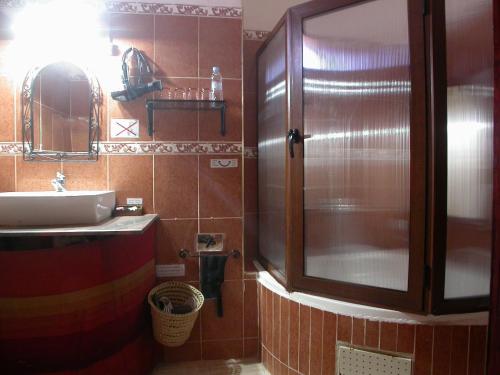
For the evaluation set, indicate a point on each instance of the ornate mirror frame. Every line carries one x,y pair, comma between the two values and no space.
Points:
27,111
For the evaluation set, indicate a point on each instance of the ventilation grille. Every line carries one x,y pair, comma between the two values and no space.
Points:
360,362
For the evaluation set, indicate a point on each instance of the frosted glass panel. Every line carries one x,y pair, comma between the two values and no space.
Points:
357,145
272,138
469,38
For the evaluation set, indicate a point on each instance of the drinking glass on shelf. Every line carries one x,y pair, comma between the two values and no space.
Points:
180,94
191,93
168,93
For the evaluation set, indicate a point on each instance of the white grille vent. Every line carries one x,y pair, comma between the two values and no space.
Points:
353,361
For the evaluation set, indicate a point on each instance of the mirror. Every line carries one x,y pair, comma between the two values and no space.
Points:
60,113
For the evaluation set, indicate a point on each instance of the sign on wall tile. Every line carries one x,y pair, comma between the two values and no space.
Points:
223,163
124,128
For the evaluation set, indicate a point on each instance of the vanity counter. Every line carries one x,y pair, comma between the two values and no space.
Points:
112,226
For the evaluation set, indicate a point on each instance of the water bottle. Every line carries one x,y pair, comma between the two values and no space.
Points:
216,84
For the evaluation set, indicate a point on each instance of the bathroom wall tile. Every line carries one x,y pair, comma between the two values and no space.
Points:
304,338
176,46
210,120
329,342
423,350
251,309
441,350
222,349
266,359
406,338
284,330
358,331
173,235
176,177
269,319
250,48
35,176
251,186
477,350
220,45
137,30
132,110
251,348
229,326
292,372
190,351
276,324
175,125
388,336
344,332
372,334
459,350
232,229
87,176
262,314
293,352
250,118
220,189
316,341
7,173
7,106
251,240
132,177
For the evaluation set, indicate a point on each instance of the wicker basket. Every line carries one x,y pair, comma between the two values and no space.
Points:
174,329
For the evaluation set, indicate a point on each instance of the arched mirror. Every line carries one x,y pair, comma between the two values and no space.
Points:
60,113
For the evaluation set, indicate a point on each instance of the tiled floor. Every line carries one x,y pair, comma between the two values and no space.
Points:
231,367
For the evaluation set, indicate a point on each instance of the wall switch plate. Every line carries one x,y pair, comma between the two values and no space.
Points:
124,128
134,201
170,270
223,163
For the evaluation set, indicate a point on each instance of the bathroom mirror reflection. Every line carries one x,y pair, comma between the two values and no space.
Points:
60,113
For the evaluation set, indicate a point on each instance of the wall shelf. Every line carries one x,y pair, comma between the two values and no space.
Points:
192,105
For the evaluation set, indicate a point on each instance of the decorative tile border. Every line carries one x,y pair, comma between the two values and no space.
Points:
250,152
154,8
11,148
255,34
147,148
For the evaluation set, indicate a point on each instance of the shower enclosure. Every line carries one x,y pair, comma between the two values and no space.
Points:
374,163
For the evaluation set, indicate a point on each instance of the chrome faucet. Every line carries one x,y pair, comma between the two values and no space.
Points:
58,182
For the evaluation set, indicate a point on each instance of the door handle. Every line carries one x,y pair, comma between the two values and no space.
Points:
293,137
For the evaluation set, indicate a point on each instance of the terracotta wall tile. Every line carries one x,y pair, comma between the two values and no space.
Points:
232,229
477,350
250,118
230,326
7,173
358,331
222,349
304,338
220,45
251,309
172,236
251,348
176,177
251,185
441,350
132,177
220,189
210,120
176,46
276,325
423,350
250,48
406,338
284,329
388,336
7,105
35,176
459,350
329,343
316,341
251,240
372,333
87,176
269,319
344,332
293,353
190,351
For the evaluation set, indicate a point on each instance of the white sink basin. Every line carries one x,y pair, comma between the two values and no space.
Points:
53,208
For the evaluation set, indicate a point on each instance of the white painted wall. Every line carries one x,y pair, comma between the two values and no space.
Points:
264,14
